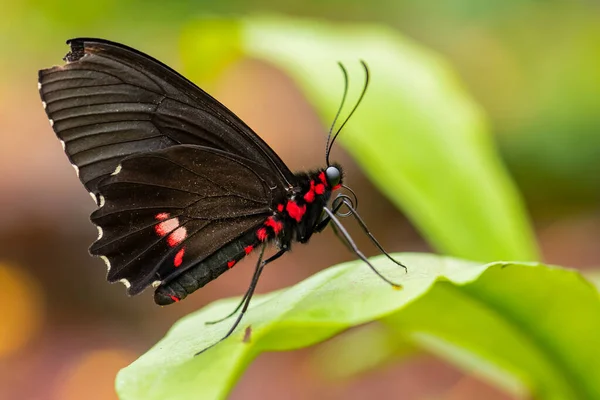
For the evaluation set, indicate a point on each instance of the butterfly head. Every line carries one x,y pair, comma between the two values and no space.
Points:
333,176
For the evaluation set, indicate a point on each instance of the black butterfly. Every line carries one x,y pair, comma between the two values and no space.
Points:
184,188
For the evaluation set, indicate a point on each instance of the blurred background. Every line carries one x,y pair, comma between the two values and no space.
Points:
533,66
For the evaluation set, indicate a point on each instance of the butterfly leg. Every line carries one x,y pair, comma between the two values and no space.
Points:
370,235
260,265
348,239
257,271
343,240
326,219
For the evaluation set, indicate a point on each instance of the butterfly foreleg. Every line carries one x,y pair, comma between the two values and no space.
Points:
365,229
348,239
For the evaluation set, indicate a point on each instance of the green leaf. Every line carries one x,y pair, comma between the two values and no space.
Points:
418,135
360,350
526,327
307,313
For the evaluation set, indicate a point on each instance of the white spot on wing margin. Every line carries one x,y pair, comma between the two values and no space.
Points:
156,283
39,85
105,259
126,283
76,169
93,196
100,232
117,170
102,201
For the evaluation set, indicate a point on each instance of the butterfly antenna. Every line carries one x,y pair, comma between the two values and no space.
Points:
330,144
337,115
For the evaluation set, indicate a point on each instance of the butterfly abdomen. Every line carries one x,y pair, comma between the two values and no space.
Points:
224,259
202,273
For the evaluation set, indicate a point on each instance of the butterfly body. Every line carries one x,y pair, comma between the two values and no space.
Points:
184,189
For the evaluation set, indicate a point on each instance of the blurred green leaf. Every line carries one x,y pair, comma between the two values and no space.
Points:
479,333
593,276
417,134
535,325
525,327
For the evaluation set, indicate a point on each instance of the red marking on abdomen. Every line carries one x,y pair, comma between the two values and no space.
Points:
320,188
175,299
295,211
248,249
162,216
230,264
166,226
179,257
274,224
177,236
261,234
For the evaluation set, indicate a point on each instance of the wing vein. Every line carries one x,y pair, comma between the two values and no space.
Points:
112,144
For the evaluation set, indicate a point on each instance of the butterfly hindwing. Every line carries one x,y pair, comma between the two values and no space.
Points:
167,210
110,101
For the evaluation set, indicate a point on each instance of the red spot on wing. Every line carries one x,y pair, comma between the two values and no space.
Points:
175,299
179,257
280,207
336,187
230,264
319,188
177,236
261,234
274,224
248,249
166,226
162,216
295,211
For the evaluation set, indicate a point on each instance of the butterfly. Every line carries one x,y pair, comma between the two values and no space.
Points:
184,188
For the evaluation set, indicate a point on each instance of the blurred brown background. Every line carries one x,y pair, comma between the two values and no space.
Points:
64,332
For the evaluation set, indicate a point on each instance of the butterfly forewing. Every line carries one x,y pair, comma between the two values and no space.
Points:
176,175
167,210
110,101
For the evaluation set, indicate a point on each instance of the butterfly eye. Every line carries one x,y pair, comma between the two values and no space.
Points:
333,176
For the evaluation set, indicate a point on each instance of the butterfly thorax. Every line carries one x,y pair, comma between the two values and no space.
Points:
304,207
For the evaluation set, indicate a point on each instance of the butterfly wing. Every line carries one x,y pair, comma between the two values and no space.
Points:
110,101
167,210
